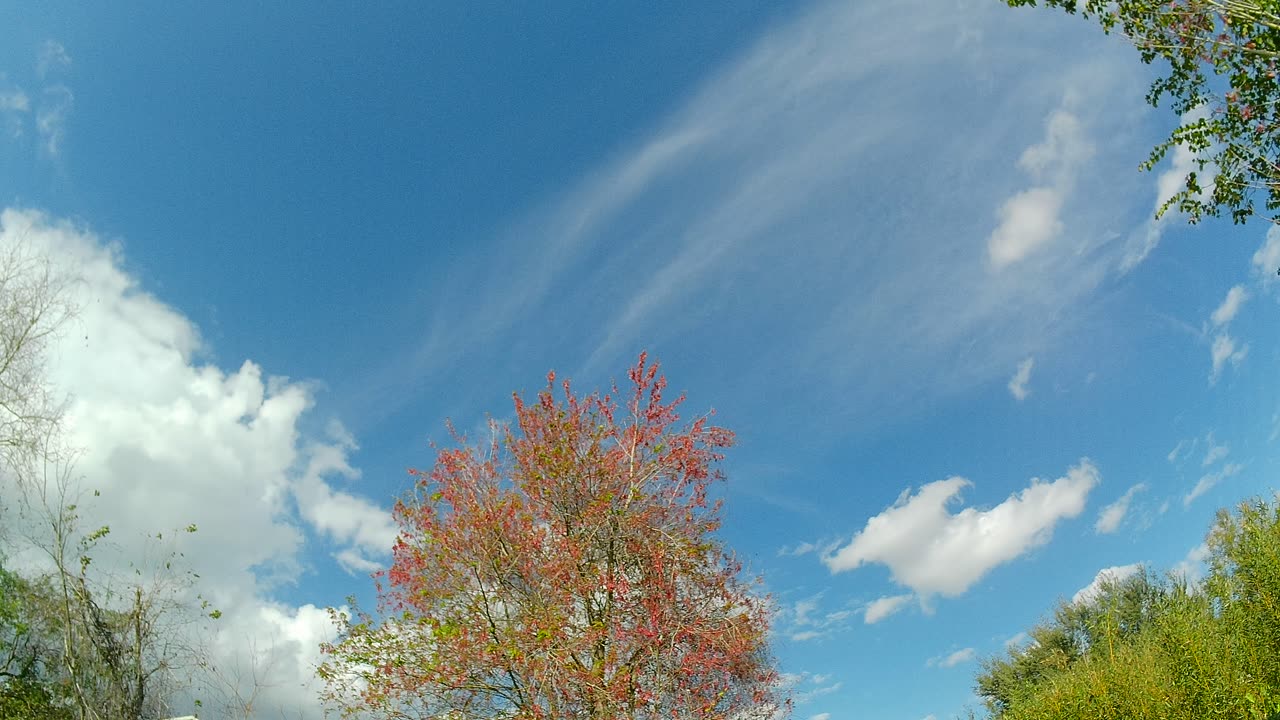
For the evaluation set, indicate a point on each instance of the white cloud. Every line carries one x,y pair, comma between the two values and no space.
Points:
170,440
882,608
952,659
1018,383
803,548
1266,261
1171,181
820,716
1144,240
1224,347
342,516
1113,574
1224,350
1028,221
803,697
802,608
777,144
51,116
804,620
14,105
1031,219
1017,640
14,101
932,551
1192,566
1215,453
354,563
1226,312
1209,480
1111,516
52,58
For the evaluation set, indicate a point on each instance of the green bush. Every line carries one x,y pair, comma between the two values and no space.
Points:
1156,647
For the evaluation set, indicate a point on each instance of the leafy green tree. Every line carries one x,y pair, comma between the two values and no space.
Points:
27,665
1149,648
1219,59
75,642
1122,609
1244,581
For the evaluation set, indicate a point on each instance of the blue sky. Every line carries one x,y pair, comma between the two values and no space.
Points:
902,249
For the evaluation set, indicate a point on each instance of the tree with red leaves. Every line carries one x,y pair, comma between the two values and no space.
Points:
566,568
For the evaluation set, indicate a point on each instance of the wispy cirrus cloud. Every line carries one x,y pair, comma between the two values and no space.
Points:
1208,481
14,107
881,608
777,172
50,107
1231,304
804,619
1110,517
1021,378
797,550
1215,452
52,113
1224,347
52,58
952,659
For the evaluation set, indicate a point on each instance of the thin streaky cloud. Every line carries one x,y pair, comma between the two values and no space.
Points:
1018,383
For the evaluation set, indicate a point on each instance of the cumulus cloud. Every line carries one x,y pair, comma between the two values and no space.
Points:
932,551
1191,568
1031,219
170,440
1226,312
1112,574
354,563
1018,383
882,608
952,659
1266,261
1224,350
1111,516
1209,480
1028,220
